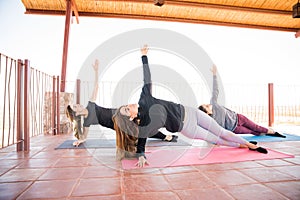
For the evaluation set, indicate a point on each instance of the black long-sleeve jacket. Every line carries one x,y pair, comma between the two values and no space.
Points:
155,113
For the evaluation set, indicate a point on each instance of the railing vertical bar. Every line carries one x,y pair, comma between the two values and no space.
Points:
37,103
51,123
32,94
20,113
26,104
2,113
45,118
0,61
33,105
271,103
4,102
57,107
9,106
53,107
40,101
15,100
48,118
78,91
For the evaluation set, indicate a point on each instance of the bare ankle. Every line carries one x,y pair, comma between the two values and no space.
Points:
168,137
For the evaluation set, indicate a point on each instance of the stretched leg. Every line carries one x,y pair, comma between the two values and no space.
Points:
246,126
203,134
212,126
198,125
244,130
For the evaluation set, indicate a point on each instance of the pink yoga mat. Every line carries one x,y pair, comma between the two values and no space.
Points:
198,156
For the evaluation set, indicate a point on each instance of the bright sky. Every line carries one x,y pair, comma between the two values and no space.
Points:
242,55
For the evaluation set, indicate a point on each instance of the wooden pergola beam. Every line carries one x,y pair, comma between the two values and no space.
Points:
213,6
164,18
185,20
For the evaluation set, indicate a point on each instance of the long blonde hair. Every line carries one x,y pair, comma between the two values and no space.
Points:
76,121
126,135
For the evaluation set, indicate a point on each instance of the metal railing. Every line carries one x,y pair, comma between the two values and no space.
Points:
252,101
22,103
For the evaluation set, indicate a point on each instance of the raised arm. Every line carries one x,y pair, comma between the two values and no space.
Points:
96,72
215,92
147,88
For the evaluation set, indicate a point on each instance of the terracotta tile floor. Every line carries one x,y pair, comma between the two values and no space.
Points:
46,173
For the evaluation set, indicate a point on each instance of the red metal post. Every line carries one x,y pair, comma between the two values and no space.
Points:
20,113
78,91
53,107
66,43
27,105
57,106
271,104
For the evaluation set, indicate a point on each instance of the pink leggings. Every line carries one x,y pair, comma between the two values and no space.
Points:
246,126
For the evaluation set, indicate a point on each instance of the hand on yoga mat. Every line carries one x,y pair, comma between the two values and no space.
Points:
142,162
78,142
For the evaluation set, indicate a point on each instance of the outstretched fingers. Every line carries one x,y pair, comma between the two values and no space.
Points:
144,49
96,65
142,162
77,143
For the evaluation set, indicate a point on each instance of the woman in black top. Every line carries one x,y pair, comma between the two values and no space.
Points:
153,113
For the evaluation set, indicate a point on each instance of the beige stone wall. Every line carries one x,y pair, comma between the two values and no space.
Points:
64,100
47,113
